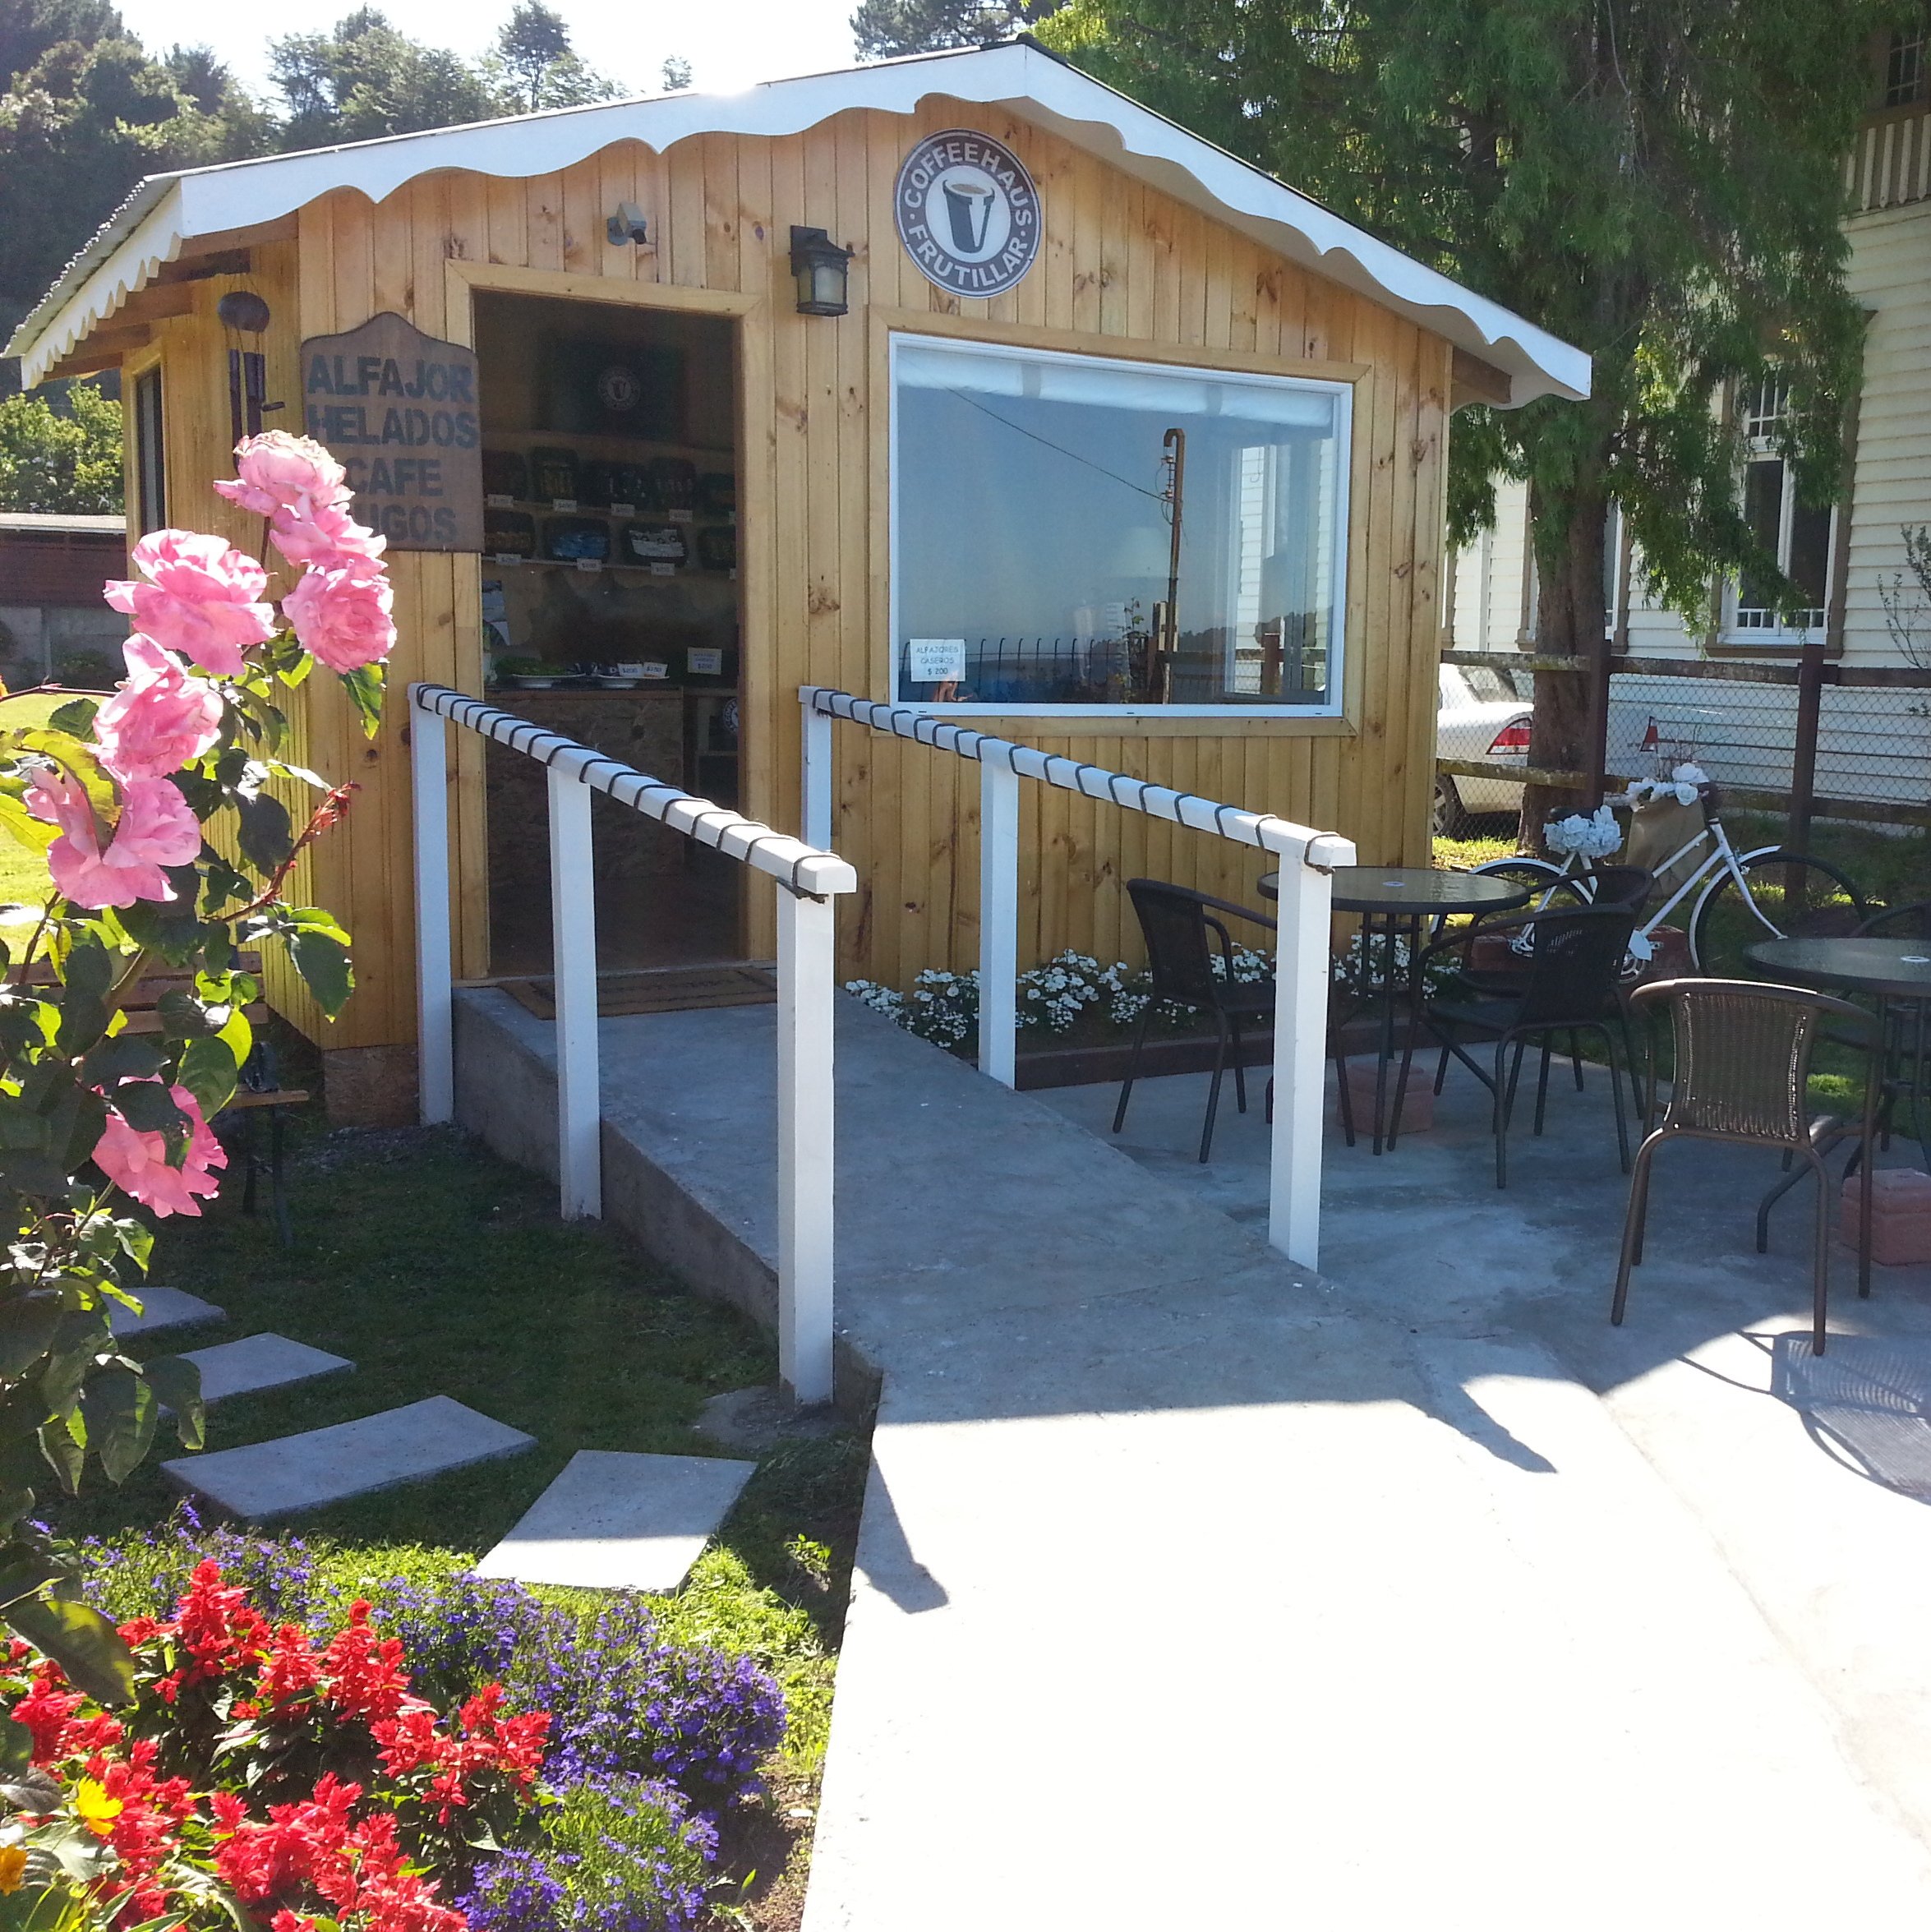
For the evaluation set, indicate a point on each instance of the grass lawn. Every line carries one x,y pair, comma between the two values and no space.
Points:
437,1269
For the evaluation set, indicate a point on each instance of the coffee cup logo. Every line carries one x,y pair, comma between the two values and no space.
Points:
967,213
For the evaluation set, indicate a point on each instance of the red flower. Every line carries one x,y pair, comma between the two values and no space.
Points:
293,1667
362,1672
45,1711
217,1626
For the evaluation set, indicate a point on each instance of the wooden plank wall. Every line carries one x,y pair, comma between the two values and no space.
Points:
1120,263
192,350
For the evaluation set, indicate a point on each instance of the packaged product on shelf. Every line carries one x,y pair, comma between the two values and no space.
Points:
572,539
718,493
553,475
505,474
673,482
509,533
652,543
718,547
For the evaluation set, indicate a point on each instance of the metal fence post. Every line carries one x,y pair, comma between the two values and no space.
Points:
999,918
807,977
573,938
815,777
435,1076
1301,975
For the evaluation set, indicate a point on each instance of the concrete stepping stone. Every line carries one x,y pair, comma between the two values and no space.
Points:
616,1521
162,1308
260,1362
292,1473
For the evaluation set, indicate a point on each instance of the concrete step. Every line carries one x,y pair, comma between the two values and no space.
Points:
162,1308
616,1521
260,1362
294,1474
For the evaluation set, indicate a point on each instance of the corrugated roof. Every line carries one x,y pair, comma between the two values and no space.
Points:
165,215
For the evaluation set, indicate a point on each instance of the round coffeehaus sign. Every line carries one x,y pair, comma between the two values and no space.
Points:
967,213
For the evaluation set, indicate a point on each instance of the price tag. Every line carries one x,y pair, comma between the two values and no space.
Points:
663,570
564,503
623,510
497,500
654,670
680,516
508,557
704,663
589,563
935,661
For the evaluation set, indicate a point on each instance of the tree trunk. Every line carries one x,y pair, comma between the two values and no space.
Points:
1571,621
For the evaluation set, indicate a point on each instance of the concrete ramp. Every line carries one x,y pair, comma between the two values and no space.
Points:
1186,1598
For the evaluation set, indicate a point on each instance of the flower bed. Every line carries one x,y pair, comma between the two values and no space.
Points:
442,1753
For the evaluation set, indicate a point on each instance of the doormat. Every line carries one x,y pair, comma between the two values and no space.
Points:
674,991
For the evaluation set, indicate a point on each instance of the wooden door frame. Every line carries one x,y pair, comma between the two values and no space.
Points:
756,405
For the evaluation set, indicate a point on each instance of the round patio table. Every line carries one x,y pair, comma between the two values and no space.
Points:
1889,970
1394,901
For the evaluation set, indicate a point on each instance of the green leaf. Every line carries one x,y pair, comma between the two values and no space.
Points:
208,1071
63,1454
81,1641
27,1326
35,834
183,1016
26,1789
265,836
177,1384
147,1107
364,687
127,1056
324,965
21,1574
121,1412
75,718
17,1748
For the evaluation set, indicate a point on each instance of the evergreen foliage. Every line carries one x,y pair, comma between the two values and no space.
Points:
884,28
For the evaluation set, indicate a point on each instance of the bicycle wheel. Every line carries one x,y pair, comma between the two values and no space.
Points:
1789,896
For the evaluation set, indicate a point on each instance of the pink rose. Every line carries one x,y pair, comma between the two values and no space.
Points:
136,1163
325,539
202,598
276,471
157,828
341,615
160,718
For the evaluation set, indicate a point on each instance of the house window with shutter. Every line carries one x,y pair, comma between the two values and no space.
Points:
1796,533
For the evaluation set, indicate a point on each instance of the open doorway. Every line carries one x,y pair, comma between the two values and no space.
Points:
611,609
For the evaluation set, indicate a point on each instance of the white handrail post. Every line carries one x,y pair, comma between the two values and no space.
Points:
998,917
435,1052
806,979
815,777
1301,975
572,939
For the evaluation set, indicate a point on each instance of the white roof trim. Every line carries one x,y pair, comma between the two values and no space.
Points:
168,211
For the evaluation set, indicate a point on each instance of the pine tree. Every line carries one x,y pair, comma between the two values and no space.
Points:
1659,182
884,28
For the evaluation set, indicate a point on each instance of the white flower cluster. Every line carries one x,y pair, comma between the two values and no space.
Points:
942,1007
1053,996
881,999
1594,837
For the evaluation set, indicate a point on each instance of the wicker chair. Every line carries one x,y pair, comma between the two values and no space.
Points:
1742,1065
1569,985
1175,922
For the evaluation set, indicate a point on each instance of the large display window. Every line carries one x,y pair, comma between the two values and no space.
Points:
1074,533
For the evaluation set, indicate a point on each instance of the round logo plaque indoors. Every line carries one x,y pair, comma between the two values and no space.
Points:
967,213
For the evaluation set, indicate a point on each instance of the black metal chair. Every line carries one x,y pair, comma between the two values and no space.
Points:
1570,985
1741,1070
1907,1050
1175,922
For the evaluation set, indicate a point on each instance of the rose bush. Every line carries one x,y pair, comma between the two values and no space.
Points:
162,818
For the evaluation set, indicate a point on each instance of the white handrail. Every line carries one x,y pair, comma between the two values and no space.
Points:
807,880
1302,969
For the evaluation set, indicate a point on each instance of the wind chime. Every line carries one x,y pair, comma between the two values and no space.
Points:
243,313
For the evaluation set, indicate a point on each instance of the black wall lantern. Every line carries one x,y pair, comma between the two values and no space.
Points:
821,267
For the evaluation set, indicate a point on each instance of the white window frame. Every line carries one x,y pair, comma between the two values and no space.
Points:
1343,396
1760,444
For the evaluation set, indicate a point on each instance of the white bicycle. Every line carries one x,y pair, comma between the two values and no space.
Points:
1770,892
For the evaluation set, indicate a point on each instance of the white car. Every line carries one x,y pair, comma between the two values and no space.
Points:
1485,714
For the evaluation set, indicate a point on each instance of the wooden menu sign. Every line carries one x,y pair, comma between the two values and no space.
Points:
398,410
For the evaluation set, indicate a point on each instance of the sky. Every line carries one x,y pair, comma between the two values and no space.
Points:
729,44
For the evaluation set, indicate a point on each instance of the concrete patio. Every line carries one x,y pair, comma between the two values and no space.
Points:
1194,1588
1811,1478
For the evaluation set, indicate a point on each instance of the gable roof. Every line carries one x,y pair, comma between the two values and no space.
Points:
168,212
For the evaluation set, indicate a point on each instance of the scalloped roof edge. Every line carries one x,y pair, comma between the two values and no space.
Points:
168,212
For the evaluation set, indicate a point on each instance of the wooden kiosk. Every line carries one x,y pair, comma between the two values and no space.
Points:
962,381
